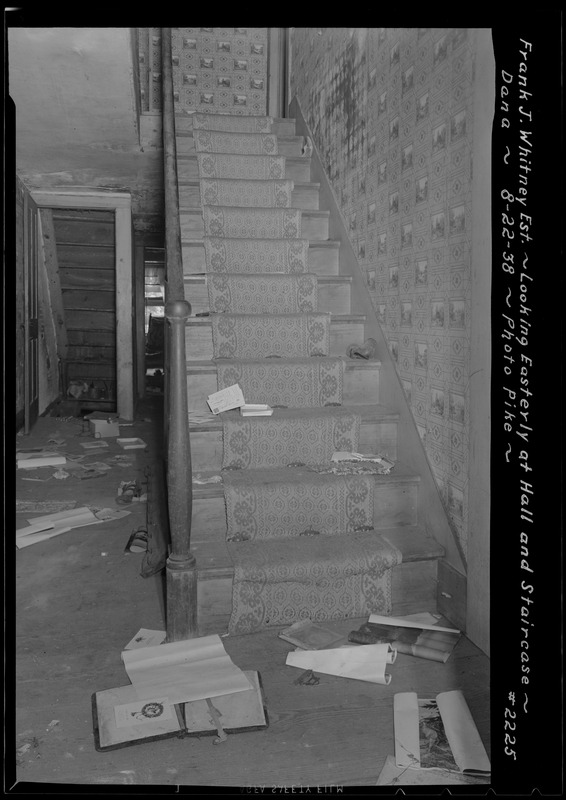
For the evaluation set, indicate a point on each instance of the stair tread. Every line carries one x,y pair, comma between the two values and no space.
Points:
284,137
296,184
368,412
334,317
214,560
200,277
309,212
331,244
351,363
400,474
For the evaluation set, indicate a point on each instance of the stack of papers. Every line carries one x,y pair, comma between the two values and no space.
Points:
256,410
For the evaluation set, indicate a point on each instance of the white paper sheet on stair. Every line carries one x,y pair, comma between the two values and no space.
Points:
362,663
437,733
226,399
183,671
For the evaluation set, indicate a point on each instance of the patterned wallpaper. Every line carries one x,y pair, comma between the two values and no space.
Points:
214,69
391,114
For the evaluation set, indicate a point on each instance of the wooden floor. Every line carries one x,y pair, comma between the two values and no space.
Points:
79,599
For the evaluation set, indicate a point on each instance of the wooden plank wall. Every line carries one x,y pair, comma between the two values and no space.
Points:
87,270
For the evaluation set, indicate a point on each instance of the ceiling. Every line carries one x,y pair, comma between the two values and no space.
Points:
76,123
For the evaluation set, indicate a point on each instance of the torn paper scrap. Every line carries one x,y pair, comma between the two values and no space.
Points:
226,399
146,638
143,711
43,461
190,670
362,663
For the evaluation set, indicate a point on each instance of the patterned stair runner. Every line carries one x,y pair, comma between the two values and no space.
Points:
301,540
292,383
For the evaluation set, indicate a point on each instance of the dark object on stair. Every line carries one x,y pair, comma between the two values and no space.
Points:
157,522
307,678
137,543
155,342
366,350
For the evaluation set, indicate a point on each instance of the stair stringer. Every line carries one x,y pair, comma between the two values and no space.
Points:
410,449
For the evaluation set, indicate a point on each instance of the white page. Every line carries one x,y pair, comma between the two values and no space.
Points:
365,662
461,732
183,671
398,622
406,725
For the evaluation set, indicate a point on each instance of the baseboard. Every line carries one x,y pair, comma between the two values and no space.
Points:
451,597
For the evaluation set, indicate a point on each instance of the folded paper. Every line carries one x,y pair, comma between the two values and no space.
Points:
184,671
363,663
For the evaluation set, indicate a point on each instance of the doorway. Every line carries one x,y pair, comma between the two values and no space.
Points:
115,331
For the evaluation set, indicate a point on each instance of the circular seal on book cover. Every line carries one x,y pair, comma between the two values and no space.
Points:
152,710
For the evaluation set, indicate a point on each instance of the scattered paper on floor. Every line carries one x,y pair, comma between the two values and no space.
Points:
183,671
362,663
146,638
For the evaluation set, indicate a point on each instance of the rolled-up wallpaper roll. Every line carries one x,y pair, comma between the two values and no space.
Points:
363,662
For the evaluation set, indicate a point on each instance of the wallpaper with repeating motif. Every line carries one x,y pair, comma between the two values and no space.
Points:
223,70
391,113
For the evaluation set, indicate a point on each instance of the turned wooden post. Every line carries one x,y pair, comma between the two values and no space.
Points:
181,565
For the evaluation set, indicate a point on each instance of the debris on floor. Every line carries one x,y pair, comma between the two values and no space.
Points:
132,443
137,543
362,662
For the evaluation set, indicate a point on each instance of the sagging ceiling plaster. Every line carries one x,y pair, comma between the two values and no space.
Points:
76,122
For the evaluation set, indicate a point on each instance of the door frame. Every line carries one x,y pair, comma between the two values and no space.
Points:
121,205
31,312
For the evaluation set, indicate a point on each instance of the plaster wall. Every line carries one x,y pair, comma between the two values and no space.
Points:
76,116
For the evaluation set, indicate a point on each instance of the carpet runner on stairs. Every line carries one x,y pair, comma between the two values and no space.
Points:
295,502
290,436
225,254
302,542
232,123
251,223
262,294
292,383
228,166
239,143
268,335
279,581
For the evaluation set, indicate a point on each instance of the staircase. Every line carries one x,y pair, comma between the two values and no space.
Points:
250,302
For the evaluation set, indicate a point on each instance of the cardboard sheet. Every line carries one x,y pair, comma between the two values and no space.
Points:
184,671
362,663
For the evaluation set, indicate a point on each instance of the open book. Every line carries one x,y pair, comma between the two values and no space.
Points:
438,733
121,718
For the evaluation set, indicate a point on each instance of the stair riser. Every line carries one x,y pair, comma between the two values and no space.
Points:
413,590
314,228
286,147
394,504
296,169
331,297
359,387
198,339
322,260
281,127
305,197
207,449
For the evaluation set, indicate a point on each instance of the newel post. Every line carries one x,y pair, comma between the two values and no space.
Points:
181,564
